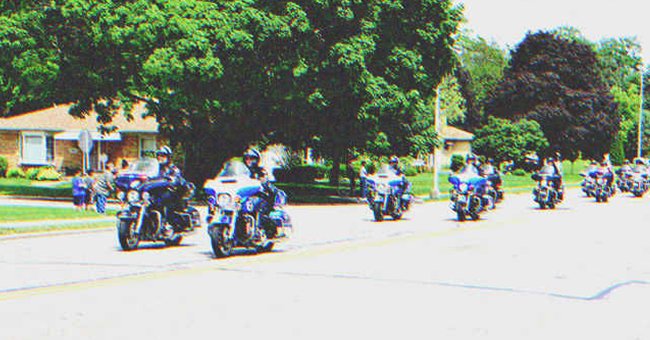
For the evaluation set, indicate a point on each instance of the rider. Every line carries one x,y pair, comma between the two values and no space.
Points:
490,173
639,166
172,174
470,167
393,165
252,159
553,173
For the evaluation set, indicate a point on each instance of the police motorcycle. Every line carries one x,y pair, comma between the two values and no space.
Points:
238,214
387,194
469,196
588,185
150,215
545,194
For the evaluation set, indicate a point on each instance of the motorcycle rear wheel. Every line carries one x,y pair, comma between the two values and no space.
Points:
220,246
125,233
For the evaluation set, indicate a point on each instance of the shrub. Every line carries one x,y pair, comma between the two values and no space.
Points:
3,167
519,172
301,174
410,171
15,173
32,173
48,174
457,162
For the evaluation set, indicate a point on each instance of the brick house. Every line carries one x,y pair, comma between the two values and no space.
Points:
455,141
49,137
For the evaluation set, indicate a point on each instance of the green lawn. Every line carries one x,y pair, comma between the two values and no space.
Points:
25,187
23,213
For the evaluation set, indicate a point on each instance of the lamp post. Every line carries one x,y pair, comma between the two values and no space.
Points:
640,137
435,192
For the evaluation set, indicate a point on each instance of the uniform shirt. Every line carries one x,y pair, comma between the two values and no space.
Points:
78,186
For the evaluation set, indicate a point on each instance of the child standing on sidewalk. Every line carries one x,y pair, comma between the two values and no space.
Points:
78,191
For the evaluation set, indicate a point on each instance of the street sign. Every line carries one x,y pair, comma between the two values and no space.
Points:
85,141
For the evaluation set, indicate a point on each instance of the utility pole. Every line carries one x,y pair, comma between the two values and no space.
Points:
640,137
435,192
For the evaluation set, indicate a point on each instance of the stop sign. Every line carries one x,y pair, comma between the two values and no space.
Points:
85,141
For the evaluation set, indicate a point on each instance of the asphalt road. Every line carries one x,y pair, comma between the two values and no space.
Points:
579,272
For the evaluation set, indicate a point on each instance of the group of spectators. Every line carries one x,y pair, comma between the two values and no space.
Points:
90,188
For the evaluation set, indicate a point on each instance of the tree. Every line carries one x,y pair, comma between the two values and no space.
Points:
556,83
222,75
505,140
479,72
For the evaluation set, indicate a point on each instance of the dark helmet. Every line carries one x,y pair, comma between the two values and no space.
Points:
164,151
393,160
470,157
638,161
253,154
626,162
489,161
550,159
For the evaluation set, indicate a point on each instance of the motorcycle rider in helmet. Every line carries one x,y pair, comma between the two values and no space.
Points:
252,159
405,186
471,168
170,198
553,172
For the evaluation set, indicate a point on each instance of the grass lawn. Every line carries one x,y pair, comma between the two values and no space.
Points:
52,228
24,213
25,187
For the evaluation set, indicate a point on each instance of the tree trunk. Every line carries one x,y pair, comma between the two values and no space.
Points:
335,172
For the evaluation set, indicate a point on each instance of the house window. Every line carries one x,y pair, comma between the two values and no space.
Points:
148,146
37,148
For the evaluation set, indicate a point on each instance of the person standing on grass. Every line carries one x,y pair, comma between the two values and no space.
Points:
363,178
78,191
90,192
104,185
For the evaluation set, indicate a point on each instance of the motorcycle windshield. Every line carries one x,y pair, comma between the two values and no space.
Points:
385,175
145,166
234,169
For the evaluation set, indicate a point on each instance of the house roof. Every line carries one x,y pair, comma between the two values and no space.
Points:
452,133
57,118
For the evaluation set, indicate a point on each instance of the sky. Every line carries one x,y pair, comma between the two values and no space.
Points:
507,21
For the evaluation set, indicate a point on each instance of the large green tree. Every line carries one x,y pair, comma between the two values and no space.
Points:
555,82
504,140
221,75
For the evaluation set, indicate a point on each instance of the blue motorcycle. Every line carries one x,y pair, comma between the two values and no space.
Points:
240,214
468,197
387,195
139,172
150,206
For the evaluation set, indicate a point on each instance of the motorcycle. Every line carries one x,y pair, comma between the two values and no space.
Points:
468,198
625,181
588,185
602,191
494,187
639,184
240,217
387,195
545,193
144,219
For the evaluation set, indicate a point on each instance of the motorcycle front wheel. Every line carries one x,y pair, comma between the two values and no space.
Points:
220,246
460,215
377,211
126,235
174,241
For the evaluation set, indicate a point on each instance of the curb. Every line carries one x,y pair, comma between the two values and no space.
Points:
42,234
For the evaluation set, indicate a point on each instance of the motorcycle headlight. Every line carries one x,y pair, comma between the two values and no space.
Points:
224,200
133,196
463,187
382,188
134,184
121,195
146,196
